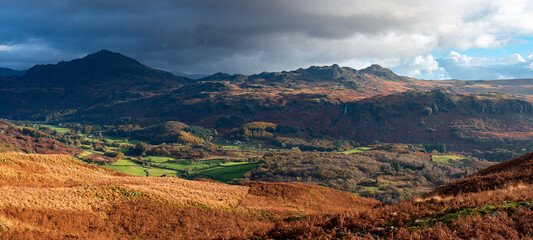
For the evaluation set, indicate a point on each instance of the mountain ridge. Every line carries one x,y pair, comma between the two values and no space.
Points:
107,87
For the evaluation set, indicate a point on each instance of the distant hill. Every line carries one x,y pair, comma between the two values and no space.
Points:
10,72
260,96
191,76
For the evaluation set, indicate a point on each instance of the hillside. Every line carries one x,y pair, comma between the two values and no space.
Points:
58,197
517,87
28,140
512,172
496,203
462,121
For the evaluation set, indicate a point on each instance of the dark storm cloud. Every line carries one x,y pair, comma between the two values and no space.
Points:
179,35
249,36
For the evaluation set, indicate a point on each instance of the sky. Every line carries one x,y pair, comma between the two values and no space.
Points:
429,39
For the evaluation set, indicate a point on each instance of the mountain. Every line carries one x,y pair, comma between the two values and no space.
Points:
259,96
367,105
348,83
96,79
9,72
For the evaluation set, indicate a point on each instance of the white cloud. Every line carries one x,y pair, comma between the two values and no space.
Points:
487,41
423,66
513,59
460,66
457,57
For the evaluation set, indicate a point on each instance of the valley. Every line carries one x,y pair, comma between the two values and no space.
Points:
389,172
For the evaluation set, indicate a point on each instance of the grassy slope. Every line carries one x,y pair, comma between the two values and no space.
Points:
58,197
446,158
228,171
131,170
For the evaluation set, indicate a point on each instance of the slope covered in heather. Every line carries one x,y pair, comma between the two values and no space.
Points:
58,197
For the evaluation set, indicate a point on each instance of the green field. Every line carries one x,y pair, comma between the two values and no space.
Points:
156,159
131,170
125,162
214,169
84,154
253,146
120,140
228,171
220,171
56,128
183,164
445,159
357,150
156,172
373,189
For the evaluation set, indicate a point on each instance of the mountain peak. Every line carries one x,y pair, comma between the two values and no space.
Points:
106,53
109,57
104,71
379,71
100,65
332,72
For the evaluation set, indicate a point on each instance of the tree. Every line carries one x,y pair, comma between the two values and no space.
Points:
140,149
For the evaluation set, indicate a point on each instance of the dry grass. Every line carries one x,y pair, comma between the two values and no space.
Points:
57,197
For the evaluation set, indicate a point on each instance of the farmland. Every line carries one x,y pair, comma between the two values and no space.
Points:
95,146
